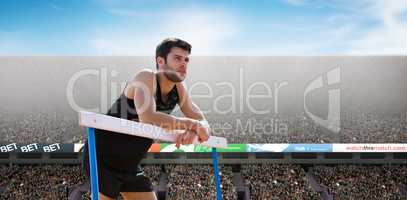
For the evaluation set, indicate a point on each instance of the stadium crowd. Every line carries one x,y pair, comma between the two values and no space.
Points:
355,182
40,127
354,128
265,181
275,181
197,182
49,182
362,182
237,128
39,181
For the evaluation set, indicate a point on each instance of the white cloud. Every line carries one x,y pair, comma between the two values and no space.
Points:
383,40
374,26
352,29
388,10
304,39
119,44
207,31
389,37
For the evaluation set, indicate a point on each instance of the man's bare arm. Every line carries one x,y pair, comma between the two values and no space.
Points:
191,110
188,107
146,107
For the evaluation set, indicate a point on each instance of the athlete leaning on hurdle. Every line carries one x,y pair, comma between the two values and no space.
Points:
149,98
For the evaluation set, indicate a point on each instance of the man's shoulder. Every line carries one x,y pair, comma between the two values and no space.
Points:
143,79
144,75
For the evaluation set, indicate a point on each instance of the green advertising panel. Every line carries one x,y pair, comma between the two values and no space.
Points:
166,147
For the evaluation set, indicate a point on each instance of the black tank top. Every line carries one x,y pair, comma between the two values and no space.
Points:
124,152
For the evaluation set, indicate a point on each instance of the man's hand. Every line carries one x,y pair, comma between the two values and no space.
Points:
200,129
187,137
203,131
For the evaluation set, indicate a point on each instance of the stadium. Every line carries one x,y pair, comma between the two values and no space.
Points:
284,155
202,100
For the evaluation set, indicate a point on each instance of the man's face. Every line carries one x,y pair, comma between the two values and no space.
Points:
175,69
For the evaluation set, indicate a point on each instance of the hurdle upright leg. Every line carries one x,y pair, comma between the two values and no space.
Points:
217,176
93,164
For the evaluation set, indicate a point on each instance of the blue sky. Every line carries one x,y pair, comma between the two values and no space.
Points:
135,27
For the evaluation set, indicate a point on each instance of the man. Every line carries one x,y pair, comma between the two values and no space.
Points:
149,98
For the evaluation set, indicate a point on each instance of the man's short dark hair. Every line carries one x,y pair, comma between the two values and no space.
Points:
164,48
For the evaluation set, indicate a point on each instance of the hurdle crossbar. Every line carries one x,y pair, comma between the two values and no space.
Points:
124,126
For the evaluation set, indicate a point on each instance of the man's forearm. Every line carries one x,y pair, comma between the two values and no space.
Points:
171,122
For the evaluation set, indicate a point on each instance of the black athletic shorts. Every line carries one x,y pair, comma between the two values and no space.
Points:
112,181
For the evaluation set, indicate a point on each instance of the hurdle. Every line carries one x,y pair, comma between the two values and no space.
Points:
94,121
